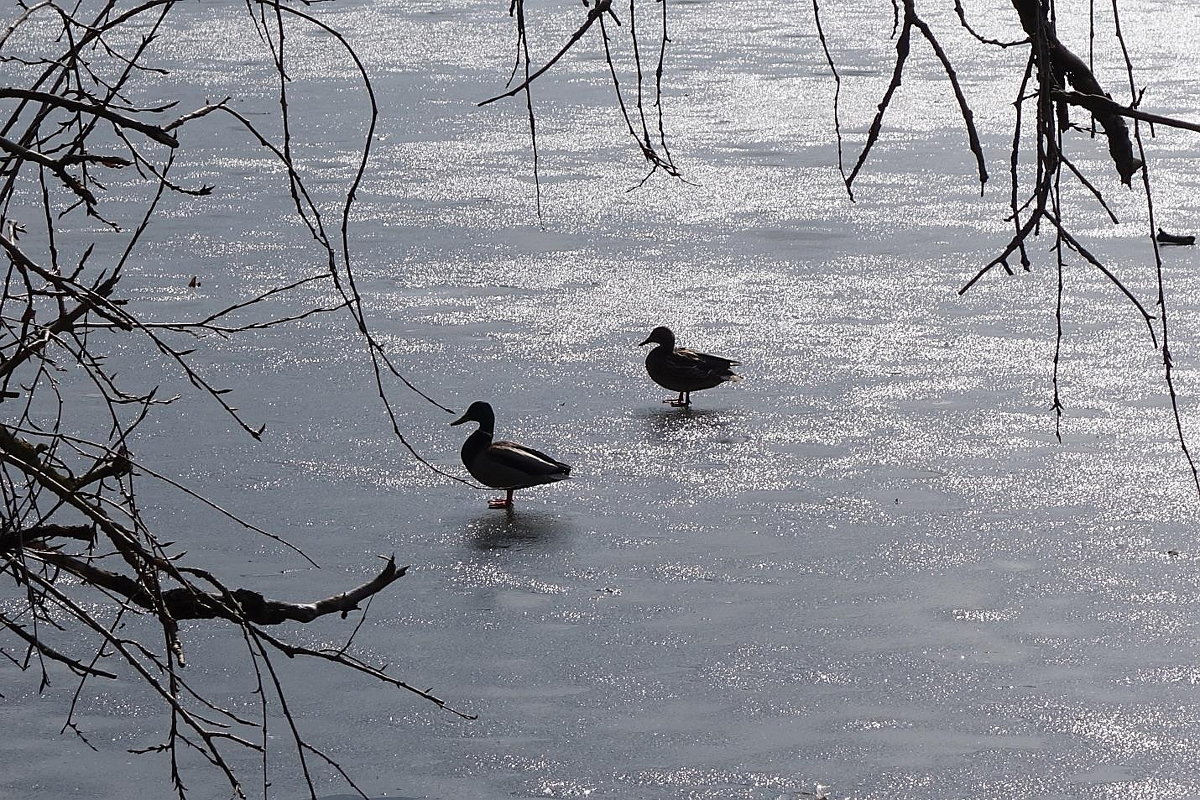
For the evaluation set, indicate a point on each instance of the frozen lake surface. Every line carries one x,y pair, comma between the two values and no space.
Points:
868,570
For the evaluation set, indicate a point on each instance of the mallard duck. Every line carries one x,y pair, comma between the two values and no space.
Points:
504,465
682,370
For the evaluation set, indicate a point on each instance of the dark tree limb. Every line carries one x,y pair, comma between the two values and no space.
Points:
907,20
1063,62
190,602
54,165
594,14
102,111
42,535
1103,104
964,109
38,645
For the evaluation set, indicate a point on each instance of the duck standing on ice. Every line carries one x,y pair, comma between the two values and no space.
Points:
504,465
685,371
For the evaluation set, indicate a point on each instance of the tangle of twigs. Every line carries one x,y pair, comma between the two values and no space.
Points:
1054,82
74,545
645,125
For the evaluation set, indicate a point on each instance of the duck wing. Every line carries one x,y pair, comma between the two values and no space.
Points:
520,456
508,465
683,370
703,361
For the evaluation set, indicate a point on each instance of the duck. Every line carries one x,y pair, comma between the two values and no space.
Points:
504,465
682,370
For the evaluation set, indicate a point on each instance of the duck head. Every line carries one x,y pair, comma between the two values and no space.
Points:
480,412
660,335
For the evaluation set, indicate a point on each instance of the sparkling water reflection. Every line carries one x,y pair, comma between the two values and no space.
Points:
868,570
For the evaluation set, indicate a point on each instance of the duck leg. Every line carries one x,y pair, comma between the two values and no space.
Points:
683,401
501,502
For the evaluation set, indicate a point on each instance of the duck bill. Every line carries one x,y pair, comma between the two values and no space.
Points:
648,340
460,420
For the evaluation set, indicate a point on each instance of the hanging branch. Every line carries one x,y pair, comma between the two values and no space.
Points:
232,605
837,97
1054,81
601,8
907,21
1063,65
1168,362
1104,106
639,131
523,59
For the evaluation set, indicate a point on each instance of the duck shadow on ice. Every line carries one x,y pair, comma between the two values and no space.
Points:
525,530
711,424
668,420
